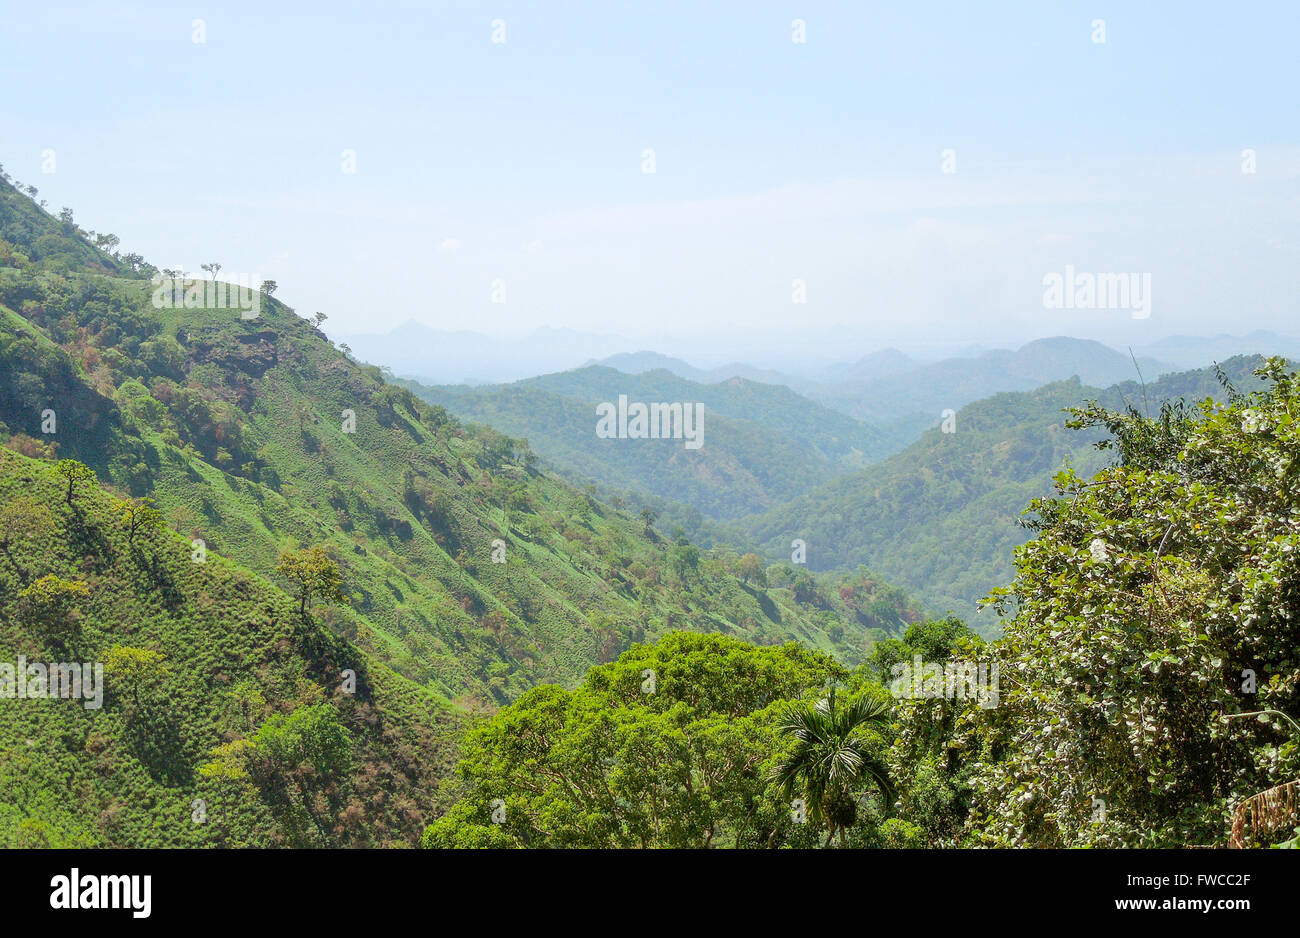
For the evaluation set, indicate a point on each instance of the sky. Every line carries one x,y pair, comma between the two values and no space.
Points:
908,174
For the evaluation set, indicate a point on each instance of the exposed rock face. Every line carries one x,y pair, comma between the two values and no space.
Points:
254,353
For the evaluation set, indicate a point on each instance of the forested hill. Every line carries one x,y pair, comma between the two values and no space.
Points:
941,517
763,443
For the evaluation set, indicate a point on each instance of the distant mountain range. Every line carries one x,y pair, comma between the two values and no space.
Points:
849,456
438,357
636,363
773,436
906,400
901,397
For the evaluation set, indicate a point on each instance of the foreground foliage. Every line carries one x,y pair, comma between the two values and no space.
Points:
1148,686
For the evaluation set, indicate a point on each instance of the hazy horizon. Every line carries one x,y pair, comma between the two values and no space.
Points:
550,349
912,174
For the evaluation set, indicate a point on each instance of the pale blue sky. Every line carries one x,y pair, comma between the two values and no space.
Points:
522,161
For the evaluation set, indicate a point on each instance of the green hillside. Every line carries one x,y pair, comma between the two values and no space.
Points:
197,656
468,575
941,517
763,443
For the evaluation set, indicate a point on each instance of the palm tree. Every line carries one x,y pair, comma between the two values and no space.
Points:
830,760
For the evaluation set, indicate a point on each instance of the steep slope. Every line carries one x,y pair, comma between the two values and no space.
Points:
469,570
229,714
762,443
196,656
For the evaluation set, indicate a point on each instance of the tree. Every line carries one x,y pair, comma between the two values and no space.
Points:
308,748
311,735
140,669
648,518
49,604
668,746
319,319
229,762
750,567
464,828
314,573
803,586
74,472
212,269
830,759
683,559
269,287
1157,598
139,514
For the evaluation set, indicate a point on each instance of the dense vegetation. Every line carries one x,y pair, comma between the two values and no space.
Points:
942,517
227,716
328,613
673,745
763,443
351,516
1148,685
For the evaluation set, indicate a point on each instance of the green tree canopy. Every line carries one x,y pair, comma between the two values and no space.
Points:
672,745
50,604
1158,598
75,472
314,573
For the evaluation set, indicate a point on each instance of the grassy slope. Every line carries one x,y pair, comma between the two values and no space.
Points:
126,776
